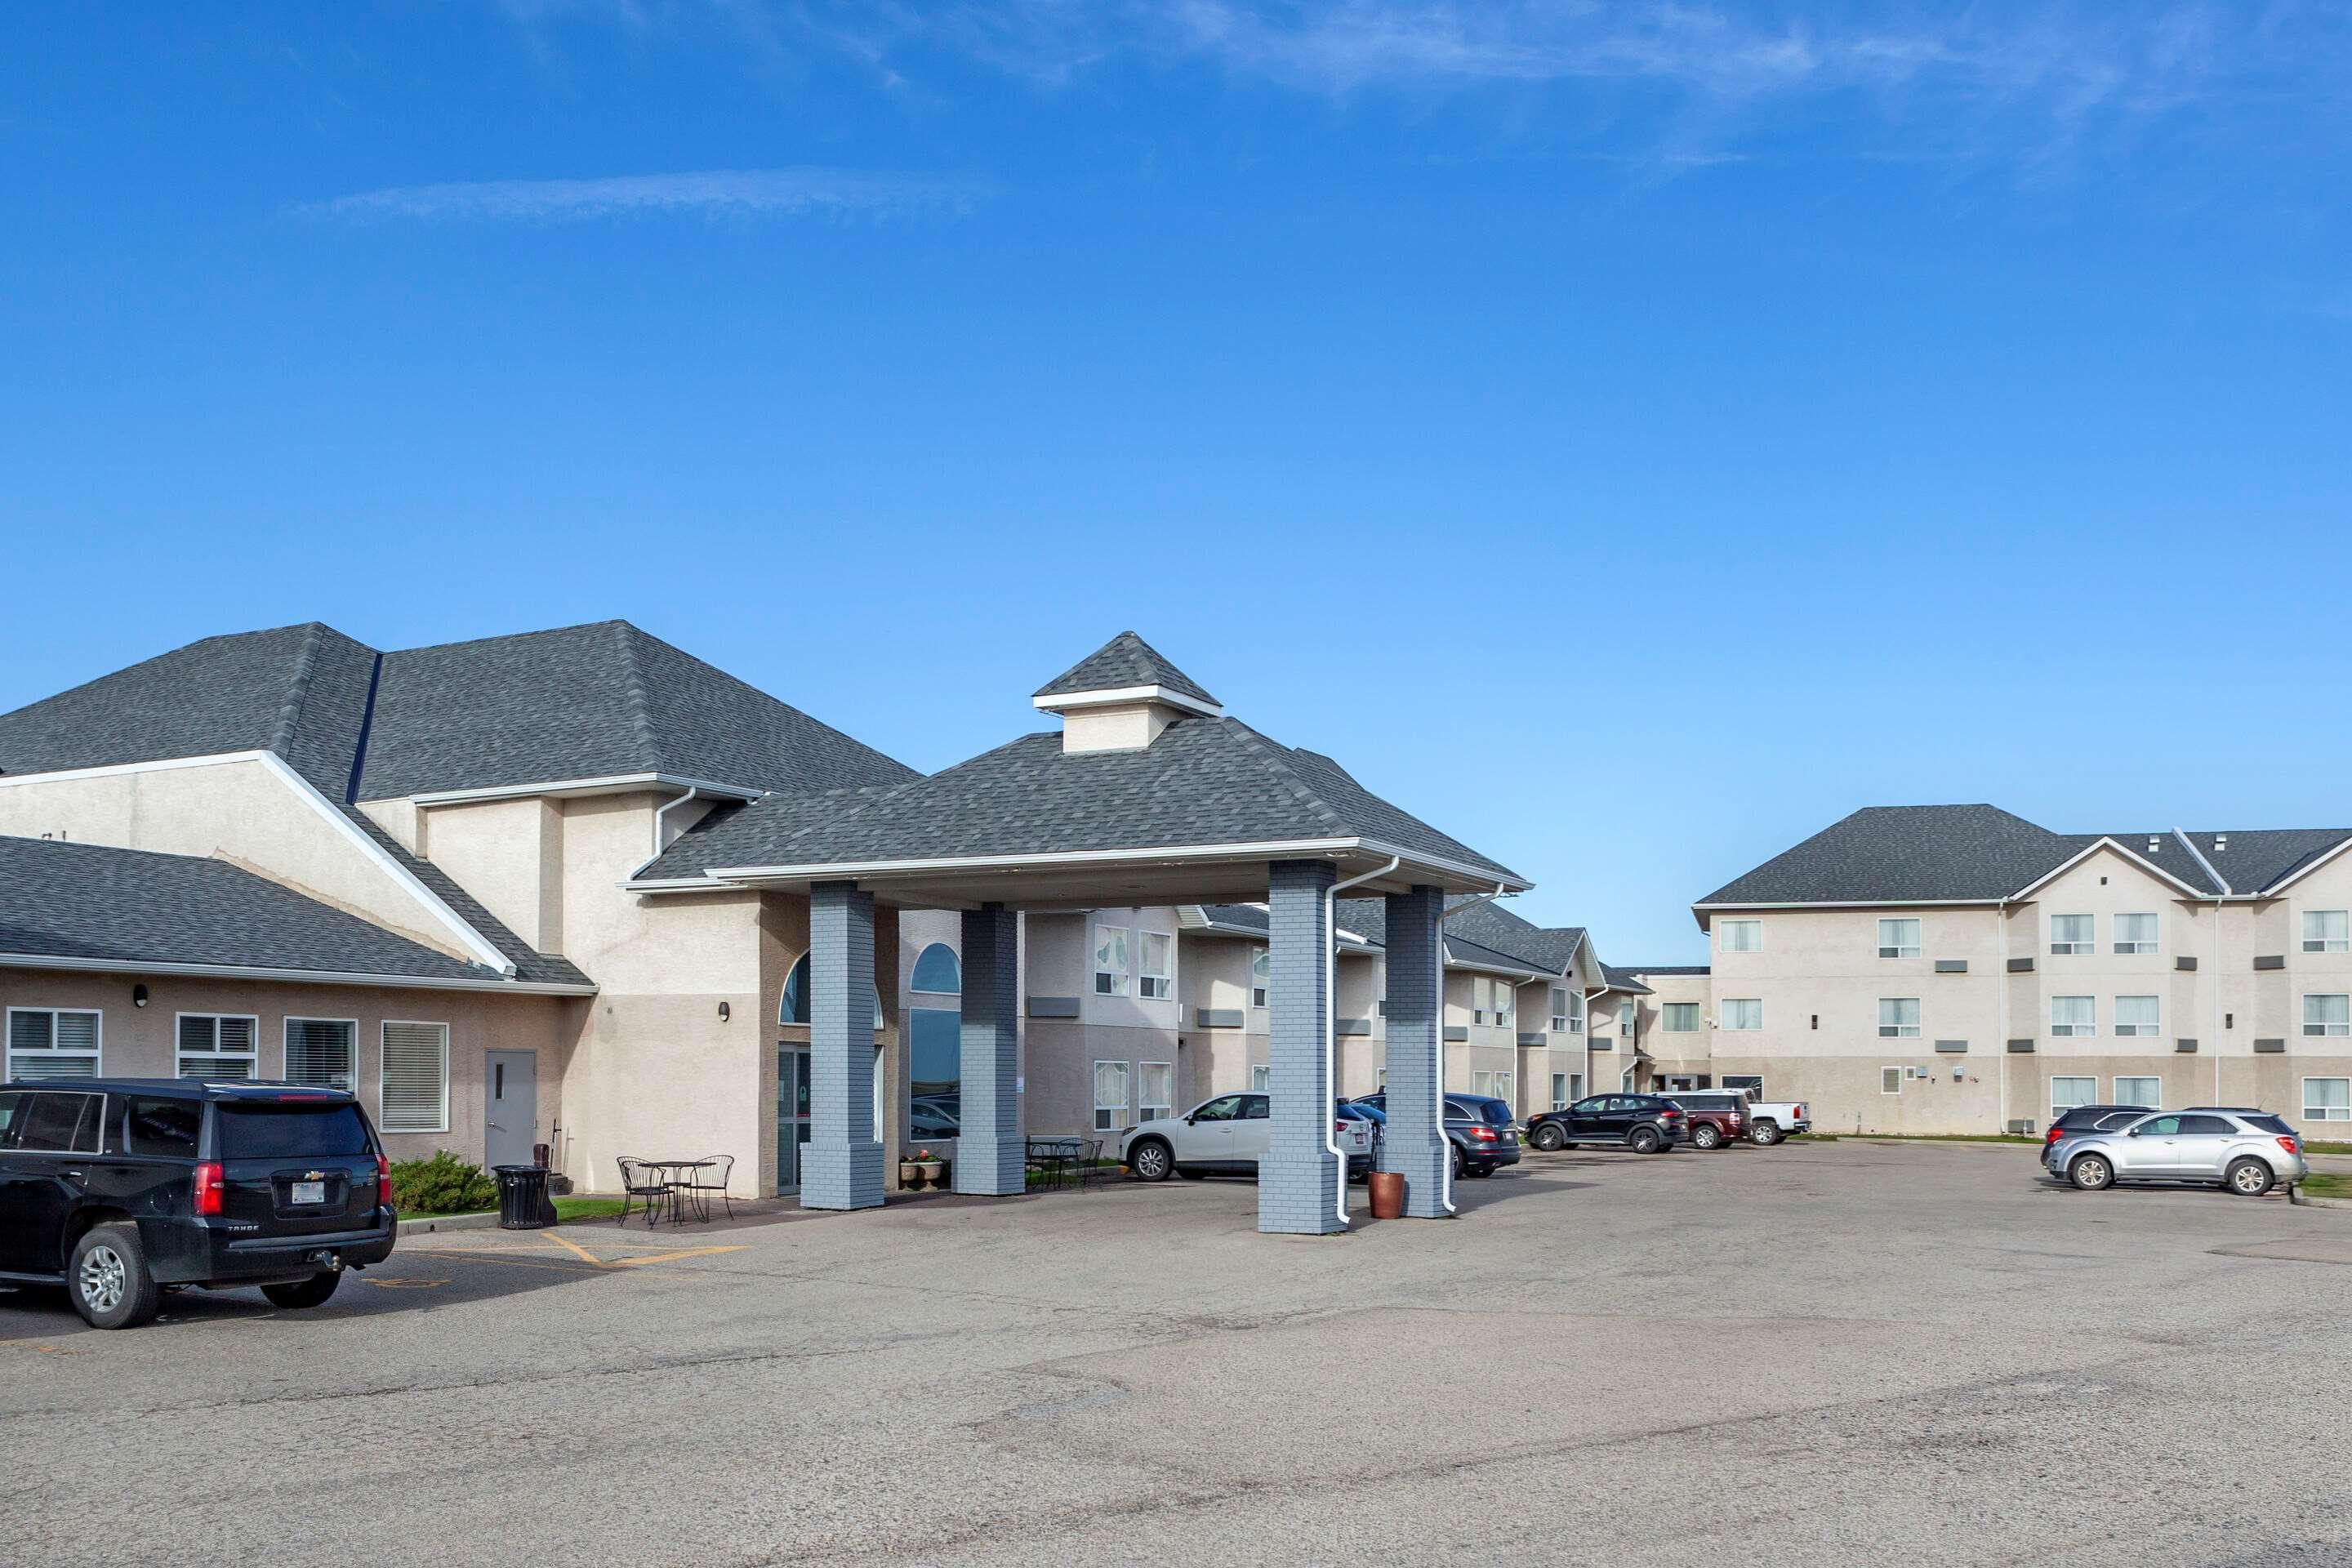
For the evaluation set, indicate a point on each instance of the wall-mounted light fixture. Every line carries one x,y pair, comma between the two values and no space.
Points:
139,995
725,1011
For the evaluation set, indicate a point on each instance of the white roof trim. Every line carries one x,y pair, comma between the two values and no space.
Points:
610,784
302,977
2190,844
1126,696
2090,849
115,770
2288,881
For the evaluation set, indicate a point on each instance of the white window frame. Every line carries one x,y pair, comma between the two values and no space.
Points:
96,1054
1261,976
1143,1109
1478,998
1898,1029
1629,1013
1747,928
1507,1004
2327,1112
2327,1029
1667,1011
2071,947
2323,942
1482,1082
1155,984
2154,1101
1559,1100
383,1076
1559,1009
1262,1077
1731,1002
1890,1077
180,1054
1506,1087
286,1051
2137,1031
2090,1095
2071,1031
2134,946
1126,961
1118,1113
1899,948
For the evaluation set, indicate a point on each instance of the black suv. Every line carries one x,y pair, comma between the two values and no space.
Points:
119,1189
1478,1127
1646,1123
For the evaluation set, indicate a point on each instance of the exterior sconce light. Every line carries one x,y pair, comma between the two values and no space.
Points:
725,1011
139,995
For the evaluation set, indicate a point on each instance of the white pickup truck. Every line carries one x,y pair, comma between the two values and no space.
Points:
1770,1121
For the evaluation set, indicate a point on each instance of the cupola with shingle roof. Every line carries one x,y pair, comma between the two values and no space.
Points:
1122,697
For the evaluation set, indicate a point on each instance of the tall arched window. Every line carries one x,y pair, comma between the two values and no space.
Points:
792,1007
935,970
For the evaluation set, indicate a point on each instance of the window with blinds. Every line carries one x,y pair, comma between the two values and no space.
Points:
412,1091
51,1043
319,1052
218,1046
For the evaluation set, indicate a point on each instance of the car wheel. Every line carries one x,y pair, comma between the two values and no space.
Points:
2250,1178
1549,1137
108,1279
1704,1136
1645,1141
2091,1172
311,1293
1152,1161
1459,1163
1765,1133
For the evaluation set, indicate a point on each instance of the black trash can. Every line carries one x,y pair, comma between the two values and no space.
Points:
523,1203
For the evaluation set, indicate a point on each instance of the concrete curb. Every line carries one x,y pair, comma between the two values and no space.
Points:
432,1223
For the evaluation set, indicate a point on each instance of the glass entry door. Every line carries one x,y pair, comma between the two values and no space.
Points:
792,1115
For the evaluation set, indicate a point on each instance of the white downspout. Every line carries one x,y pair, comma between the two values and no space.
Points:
661,818
1463,907
2001,1006
1331,1008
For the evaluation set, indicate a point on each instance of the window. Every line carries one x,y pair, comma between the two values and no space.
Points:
51,1121
1110,961
2143,1092
1899,939
1506,1003
2327,1099
165,1128
1158,979
1566,1010
45,1043
2329,1015
1110,1096
2327,931
2066,1093
1560,1095
1261,974
1482,1082
319,1051
2136,933
1478,988
1261,1078
216,1046
792,1006
1751,1082
1680,1017
1156,1082
1629,1013
413,1087
1890,1080
2073,933
1503,1086
1898,1018
2073,1017
1744,1012
937,969
1742,936
2138,1017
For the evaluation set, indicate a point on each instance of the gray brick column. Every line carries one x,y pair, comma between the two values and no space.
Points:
1414,1141
842,1167
990,1148
1299,1179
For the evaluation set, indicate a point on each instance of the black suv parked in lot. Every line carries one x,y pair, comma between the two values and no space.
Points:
119,1189
1646,1123
1478,1127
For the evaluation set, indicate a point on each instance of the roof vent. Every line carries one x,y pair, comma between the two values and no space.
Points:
2155,845
2221,842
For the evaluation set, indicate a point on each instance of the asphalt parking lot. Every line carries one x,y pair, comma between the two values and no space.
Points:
1825,1353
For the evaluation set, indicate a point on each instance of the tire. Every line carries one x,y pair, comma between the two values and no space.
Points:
1151,1160
2250,1177
107,1279
2092,1173
311,1293
1765,1133
1460,1164
1704,1136
1549,1137
1645,1141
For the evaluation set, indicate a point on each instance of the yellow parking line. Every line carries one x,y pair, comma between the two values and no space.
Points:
668,1257
574,1247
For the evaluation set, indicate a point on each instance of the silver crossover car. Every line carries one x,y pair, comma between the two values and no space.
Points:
2247,1151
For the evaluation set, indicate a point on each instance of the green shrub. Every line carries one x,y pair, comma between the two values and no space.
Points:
443,1185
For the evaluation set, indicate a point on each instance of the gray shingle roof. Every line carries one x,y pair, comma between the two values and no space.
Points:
1204,781
1624,979
88,902
2265,856
1125,661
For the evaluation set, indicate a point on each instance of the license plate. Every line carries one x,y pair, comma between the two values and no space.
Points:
309,1193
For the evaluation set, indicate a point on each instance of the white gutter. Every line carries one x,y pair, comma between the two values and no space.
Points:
303,976
1465,907
1330,1008
607,783
1276,850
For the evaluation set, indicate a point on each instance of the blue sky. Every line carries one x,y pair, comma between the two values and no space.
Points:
1630,436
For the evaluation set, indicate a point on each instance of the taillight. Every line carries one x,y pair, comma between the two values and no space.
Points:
2050,1137
209,1188
1801,1112
383,1180
1484,1135
2287,1144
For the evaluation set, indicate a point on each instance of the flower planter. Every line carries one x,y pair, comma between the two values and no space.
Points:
935,1172
910,1173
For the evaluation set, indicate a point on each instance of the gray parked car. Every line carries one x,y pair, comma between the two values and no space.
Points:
2247,1151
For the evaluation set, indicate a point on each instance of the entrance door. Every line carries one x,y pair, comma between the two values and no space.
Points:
792,1115
510,1114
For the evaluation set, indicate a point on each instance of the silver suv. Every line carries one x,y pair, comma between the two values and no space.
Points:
2246,1150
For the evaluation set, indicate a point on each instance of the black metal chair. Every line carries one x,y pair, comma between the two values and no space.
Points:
1090,1168
639,1180
711,1177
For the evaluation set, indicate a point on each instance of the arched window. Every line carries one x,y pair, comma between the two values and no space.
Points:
793,1007
937,970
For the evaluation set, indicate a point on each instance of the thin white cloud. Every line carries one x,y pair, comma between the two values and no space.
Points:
711,192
